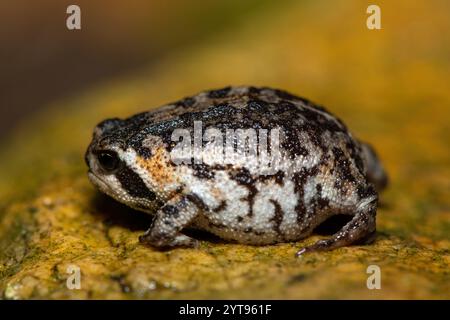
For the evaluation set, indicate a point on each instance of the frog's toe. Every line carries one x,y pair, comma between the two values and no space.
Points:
180,240
321,245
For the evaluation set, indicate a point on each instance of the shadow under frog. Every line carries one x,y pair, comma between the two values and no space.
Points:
114,213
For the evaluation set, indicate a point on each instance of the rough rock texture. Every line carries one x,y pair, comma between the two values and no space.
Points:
390,87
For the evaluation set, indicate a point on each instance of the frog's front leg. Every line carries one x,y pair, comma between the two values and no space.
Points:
361,229
170,219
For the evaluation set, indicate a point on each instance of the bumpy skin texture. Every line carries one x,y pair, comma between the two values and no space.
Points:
325,172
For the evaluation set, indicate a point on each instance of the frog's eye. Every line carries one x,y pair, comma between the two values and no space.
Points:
108,160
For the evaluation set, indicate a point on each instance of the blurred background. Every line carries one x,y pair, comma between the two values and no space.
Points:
390,86
41,60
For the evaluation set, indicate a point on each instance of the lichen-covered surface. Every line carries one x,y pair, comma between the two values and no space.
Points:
389,86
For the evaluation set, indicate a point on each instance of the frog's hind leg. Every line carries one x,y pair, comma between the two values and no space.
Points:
374,169
360,229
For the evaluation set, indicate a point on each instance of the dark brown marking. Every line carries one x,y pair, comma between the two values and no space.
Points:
171,211
219,93
195,199
133,184
244,178
186,102
202,171
277,217
221,206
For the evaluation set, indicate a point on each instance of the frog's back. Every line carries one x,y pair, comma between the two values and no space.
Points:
242,107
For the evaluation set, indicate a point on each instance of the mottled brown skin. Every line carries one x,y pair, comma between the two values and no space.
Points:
338,174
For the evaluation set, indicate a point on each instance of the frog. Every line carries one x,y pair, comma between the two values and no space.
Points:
321,171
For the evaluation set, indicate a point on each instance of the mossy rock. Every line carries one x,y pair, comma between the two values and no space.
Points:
389,86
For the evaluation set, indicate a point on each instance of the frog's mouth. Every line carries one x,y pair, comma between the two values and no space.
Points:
145,206
100,183
106,188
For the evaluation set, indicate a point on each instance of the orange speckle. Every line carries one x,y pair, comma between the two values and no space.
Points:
158,167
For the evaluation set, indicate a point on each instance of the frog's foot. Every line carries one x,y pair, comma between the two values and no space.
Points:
180,240
360,229
168,222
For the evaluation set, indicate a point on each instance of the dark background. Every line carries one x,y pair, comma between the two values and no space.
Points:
42,61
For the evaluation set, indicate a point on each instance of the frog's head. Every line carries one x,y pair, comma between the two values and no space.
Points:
116,159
